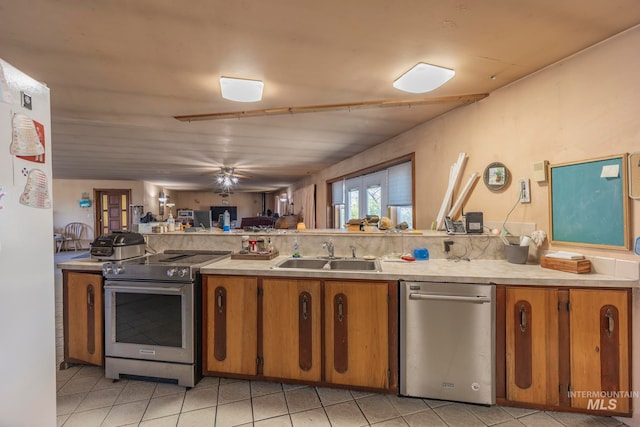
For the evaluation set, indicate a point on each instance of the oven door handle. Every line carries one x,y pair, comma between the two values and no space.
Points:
146,289
480,299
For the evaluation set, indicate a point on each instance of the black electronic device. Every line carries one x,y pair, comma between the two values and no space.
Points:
216,211
202,219
454,227
474,222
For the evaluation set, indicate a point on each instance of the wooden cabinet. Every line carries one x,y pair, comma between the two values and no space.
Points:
291,329
230,324
356,322
532,345
83,318
599,348
564,347
315,331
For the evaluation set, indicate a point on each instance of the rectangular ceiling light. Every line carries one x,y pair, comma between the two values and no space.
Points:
423,78
241,90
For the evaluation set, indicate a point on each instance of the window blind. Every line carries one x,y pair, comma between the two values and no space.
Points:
399,192
337,191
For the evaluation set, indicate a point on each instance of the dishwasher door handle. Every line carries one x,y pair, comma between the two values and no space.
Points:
480,299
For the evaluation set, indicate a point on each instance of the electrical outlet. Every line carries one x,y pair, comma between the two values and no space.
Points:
525,194
447,245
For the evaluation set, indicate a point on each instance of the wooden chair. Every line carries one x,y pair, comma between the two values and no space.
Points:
73,233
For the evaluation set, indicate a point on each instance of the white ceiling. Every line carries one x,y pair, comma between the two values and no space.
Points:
120,70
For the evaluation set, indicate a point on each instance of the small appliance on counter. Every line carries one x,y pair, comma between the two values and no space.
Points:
118,245
474,222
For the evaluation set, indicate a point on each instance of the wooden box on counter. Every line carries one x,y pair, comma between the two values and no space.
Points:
568,265
256,256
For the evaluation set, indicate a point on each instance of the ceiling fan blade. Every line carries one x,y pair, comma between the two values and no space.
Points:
242,175
465,99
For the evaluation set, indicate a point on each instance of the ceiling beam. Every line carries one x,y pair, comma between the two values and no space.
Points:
462,99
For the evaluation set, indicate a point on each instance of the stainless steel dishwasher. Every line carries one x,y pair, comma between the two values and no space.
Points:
447,333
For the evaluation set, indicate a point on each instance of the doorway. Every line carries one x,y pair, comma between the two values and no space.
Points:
113,210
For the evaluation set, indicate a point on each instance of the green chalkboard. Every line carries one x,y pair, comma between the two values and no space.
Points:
589,207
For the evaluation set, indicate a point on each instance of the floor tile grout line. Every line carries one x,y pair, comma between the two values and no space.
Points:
323,406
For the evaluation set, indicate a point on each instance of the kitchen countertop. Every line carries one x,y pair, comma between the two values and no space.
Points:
475,271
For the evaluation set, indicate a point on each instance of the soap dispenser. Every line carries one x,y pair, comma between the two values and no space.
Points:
296,248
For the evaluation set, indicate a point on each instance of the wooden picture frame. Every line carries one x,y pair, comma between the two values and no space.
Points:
589,204
634,175
496,176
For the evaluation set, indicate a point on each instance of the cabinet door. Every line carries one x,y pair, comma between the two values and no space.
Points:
230,323
83,318
291,321
357,333
599,348
532,345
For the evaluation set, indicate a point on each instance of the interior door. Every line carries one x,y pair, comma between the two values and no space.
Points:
112,210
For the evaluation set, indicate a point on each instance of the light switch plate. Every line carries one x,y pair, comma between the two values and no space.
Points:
525,192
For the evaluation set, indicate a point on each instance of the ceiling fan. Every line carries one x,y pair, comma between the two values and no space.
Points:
226,179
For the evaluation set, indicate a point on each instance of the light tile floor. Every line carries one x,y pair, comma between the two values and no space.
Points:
85,398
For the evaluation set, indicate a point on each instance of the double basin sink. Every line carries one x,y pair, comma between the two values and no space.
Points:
337,264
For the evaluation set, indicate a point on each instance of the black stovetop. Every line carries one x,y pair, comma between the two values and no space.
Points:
172,265
177,258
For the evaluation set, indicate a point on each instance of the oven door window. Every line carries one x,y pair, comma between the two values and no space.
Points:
148,319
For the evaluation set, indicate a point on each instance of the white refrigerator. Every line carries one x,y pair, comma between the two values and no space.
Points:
27,298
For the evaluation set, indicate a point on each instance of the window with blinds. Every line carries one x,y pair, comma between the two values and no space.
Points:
399,187
386,192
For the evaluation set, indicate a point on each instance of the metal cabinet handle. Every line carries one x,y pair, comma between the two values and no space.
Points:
220,301
477,299
340,309
523,318
610,322
305,313
90,296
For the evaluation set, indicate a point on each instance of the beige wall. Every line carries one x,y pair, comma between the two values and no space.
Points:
583,107
67,193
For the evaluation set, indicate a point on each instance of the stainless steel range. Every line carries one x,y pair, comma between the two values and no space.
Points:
153,315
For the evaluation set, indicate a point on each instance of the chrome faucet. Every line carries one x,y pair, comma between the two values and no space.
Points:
353,251
329,247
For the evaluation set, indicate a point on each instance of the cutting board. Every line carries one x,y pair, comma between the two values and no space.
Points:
568,265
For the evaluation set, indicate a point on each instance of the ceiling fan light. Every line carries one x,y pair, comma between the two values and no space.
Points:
241,90
423,78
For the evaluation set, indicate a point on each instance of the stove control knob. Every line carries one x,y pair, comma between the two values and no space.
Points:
107,270
183,272
171,272
118,270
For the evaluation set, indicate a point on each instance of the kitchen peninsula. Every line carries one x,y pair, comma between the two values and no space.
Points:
249,307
